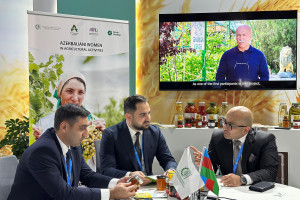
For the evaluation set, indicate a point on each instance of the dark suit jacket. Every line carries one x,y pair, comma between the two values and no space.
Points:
117,153
259,157
41,173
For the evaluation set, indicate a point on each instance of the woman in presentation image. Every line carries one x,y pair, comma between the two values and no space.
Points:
71,88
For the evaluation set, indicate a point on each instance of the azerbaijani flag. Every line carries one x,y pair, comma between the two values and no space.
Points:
208,175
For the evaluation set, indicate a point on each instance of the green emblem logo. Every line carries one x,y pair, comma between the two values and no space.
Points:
74,28
186,172
37,27
109,32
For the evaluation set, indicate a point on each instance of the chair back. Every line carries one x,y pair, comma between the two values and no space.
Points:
8,167
97,149
282,174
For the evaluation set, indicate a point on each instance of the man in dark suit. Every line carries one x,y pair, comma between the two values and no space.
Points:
52,167
129,147
243,155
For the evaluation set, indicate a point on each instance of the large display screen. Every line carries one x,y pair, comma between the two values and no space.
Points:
228,51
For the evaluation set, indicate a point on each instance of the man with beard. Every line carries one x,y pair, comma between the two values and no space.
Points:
243,62
244,155
53,166
129,147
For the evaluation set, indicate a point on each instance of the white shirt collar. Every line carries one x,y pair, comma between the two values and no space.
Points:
133,132
64,147
242,139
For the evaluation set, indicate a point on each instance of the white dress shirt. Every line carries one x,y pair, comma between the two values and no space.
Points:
133,138
105,194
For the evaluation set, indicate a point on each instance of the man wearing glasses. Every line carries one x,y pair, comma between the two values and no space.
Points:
243,62
129,147
243,155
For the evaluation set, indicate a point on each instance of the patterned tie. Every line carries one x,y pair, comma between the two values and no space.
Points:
236,149
137,145
68,159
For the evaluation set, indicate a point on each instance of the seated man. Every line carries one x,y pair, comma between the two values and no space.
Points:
243,155
129,147
52,167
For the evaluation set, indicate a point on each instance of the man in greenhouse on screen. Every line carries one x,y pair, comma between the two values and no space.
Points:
243,62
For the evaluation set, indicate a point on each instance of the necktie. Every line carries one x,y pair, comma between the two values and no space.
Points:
69,167
236,149
137,145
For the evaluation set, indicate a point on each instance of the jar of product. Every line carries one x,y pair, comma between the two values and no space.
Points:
172,190
223,112
161,183
194,113
281,113
286,122
179,115
170,174
201,116
212,113
135,179
198,121
211,121
294,110
190,112
296,122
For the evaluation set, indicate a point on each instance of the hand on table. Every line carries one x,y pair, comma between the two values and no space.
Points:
167,172
123,191
124,179
231,180
197,154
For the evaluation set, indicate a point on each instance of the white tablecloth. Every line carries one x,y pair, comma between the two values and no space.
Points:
279,192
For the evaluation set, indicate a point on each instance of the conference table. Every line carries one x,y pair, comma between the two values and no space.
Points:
279,192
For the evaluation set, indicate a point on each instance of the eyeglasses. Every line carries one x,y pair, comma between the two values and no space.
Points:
228,125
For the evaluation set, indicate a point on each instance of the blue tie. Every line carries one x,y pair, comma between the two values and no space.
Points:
69,166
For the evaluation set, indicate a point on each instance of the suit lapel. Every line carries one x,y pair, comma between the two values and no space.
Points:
62,158
75,171
247,150
227,155
126,137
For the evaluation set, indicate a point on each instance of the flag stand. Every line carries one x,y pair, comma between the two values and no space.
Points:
208,175
201,195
